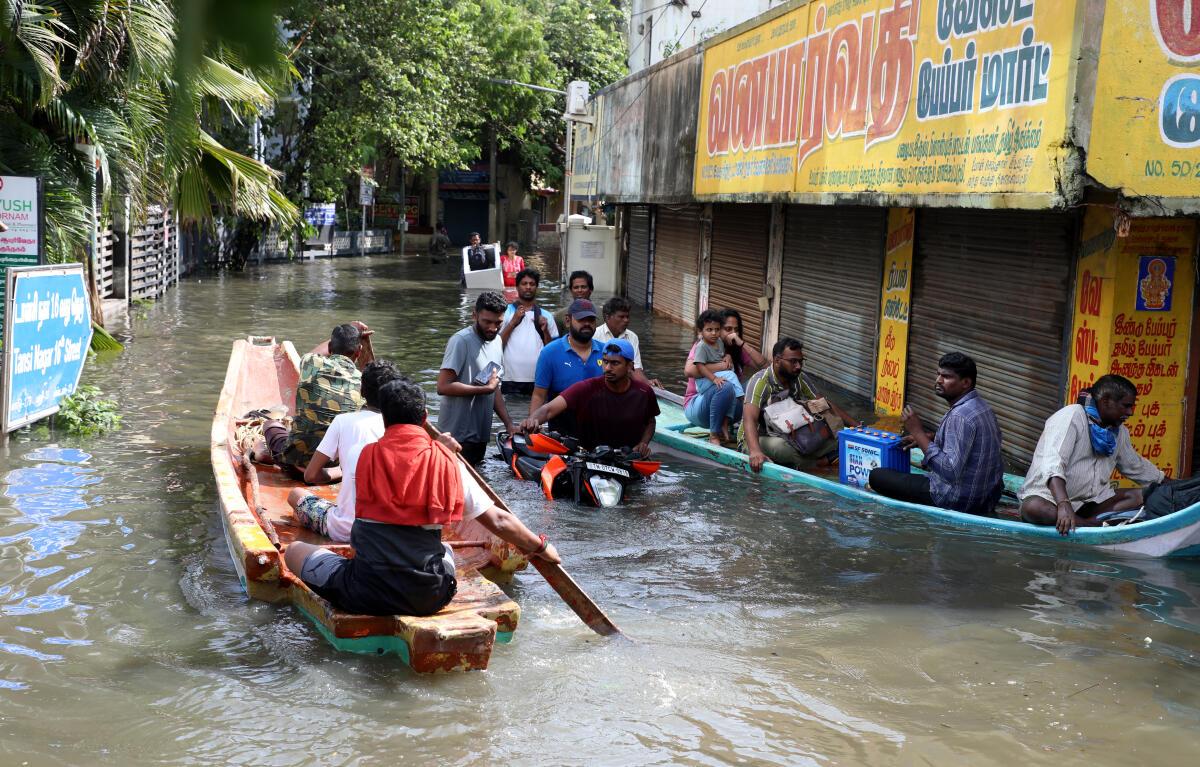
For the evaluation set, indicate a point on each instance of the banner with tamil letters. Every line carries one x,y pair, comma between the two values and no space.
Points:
47,332
890,96
1146,118
1133,317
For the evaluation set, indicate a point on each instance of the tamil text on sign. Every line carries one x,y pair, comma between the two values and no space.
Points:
46,338
890,96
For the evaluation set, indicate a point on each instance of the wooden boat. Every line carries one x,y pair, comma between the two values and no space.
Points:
263,374
1176,535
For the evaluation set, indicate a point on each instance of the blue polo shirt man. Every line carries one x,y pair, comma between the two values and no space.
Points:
568,360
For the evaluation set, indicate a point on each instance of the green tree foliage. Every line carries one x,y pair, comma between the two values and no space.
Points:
389,75
414,80
143,84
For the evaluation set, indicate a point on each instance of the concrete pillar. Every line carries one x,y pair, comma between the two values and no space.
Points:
774,285
706,214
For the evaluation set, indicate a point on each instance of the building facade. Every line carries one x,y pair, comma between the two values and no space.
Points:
659,28
889,180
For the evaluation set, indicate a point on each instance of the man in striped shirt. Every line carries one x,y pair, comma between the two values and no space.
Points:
784,374
965,471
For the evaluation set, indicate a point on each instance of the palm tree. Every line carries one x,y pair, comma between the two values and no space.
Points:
115,81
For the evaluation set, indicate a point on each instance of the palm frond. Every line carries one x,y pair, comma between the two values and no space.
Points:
231,180
220,81
37,33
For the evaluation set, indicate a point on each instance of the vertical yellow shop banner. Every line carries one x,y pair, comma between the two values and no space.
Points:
1146,118
1133,317
895,302
1091,328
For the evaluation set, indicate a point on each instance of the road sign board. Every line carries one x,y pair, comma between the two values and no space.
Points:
46,340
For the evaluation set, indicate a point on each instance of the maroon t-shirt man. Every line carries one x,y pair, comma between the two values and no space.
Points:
604,417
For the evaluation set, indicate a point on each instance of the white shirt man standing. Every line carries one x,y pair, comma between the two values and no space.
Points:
525,329
616,325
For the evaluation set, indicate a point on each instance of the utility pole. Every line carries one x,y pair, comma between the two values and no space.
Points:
576,112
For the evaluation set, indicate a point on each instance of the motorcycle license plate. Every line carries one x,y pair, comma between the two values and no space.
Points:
607,469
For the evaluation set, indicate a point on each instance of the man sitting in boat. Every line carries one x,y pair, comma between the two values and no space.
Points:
329,384
408,486
964,469
782,379
343,442
615,409
1068,481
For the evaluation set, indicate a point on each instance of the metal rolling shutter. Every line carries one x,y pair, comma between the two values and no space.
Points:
737,275
637,268
995,286
676,262
832,268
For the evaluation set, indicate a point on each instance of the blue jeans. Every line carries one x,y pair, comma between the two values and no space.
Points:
709,409
703,385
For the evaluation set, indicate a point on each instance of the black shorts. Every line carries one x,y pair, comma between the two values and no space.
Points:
524,388
356,587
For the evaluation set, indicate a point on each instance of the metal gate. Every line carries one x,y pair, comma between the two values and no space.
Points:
832,268
994,285
676,262
737,274
637,268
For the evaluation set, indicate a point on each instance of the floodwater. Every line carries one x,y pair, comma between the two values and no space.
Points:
772,625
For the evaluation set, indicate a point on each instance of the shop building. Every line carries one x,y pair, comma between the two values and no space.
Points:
889,181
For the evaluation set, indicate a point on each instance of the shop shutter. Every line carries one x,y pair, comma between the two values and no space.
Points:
994,285
676,278
637,268
737,274
832,270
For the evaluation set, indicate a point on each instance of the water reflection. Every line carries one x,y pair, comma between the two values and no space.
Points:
774,624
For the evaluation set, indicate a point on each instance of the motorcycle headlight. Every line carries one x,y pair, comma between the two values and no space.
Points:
608,491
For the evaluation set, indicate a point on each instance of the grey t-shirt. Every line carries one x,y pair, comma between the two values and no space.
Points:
707,355
469,419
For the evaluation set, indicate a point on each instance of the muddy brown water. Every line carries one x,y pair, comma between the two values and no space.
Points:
774,625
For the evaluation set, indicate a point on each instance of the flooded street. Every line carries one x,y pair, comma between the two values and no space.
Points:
772,624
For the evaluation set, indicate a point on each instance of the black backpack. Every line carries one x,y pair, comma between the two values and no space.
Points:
537,312
1162,498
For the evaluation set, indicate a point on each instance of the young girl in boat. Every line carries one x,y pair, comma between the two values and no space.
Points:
510,265
408,487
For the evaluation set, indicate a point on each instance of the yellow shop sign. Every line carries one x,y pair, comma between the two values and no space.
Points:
889,96
1146,119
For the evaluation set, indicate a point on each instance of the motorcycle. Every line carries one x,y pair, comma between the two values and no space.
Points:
597,477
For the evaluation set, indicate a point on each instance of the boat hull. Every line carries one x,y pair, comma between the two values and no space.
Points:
1176,535
458,638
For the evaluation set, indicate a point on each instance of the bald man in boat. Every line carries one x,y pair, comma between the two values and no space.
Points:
408,488
330,380
1069,480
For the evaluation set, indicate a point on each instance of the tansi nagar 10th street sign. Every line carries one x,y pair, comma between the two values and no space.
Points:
46,338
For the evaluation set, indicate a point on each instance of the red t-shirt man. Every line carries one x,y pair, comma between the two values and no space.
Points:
614,409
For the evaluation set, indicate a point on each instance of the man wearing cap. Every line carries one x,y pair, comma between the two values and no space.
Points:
615,410
568,360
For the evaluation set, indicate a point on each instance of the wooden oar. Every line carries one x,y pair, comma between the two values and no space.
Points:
562,583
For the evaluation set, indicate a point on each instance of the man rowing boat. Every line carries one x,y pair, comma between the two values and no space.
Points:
408,487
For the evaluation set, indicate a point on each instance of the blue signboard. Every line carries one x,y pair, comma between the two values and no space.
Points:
47,332
321,214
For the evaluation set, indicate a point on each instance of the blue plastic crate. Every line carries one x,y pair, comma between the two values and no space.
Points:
862,448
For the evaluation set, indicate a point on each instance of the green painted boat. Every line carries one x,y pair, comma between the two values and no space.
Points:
1176,535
